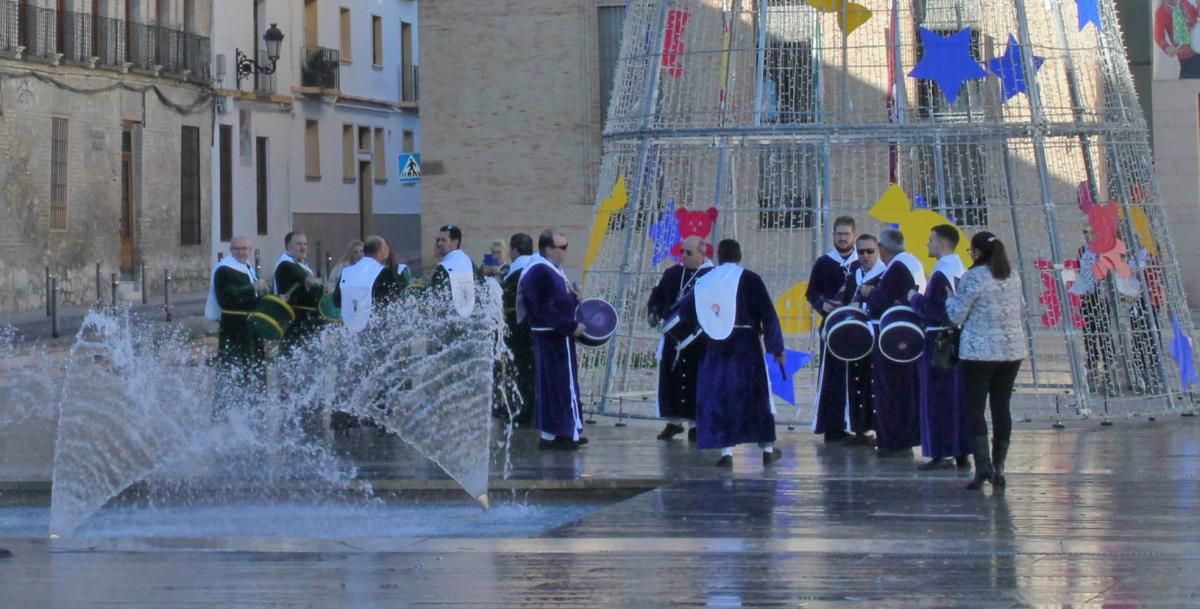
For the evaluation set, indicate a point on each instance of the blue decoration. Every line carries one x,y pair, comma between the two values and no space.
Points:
1089,12
1010,67
919,202
947,61
1181,351
664,234
781,385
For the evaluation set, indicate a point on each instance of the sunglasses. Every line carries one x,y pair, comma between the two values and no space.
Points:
866,251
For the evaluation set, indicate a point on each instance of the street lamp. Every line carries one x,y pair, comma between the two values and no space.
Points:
246,66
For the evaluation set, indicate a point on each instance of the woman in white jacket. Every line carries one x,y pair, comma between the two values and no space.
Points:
988,305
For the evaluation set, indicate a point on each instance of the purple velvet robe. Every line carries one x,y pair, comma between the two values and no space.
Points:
677,370
550,312
943,422
896,387
733,395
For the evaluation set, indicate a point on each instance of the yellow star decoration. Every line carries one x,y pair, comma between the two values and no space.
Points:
850,15
795,314
616,200
895,208
1141,226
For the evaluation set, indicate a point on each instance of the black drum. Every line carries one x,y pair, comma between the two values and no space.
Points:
599,321
848,335
901,338
681,332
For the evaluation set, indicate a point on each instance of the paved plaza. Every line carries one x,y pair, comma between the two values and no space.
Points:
1093,517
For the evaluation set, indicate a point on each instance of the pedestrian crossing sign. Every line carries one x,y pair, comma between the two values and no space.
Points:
410,168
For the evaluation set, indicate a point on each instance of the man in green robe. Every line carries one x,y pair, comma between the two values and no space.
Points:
233,295
296,283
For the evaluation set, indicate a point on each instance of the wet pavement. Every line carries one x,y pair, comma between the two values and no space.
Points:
1092,517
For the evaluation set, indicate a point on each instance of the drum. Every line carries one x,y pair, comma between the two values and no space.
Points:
681,332
271,318
848,335
599,320
329,310
901,338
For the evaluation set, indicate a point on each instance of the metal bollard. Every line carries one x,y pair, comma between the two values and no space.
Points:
142,272
99,288
167,293
47,290
115,284
53,307
328,265
257,263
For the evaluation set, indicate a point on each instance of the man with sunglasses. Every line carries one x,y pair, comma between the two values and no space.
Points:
828,275
547,301
859,406
677,368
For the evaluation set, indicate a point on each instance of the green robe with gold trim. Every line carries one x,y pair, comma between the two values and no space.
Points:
290,276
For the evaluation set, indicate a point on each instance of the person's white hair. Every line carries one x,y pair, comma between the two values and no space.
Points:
892,240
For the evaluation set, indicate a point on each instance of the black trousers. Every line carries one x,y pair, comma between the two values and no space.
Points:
984,380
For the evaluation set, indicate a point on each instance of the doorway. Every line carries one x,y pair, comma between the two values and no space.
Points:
128,217
366,208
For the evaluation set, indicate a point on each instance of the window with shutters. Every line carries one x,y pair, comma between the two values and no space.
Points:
189,186
226,162
381,165
58,174
261,179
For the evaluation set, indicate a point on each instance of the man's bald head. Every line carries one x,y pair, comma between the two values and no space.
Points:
239,248
692,252
375,247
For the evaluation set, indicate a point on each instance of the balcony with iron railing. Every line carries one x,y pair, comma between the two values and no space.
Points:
45,34
320,70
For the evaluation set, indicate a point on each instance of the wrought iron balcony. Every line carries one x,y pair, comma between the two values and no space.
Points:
321,69
84,38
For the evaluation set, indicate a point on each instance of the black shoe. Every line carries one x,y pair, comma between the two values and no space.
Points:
557,444
933,464
770,458
962,461
977,481
998,481
835,436
725,461
582,441
670,431
692,435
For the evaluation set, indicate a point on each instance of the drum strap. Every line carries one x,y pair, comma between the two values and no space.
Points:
224,312
300,308
542,329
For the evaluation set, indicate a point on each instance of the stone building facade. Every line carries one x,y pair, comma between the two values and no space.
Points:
315,145
105,115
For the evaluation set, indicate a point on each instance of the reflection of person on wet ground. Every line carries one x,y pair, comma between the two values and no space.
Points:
547,301
677,368
233,294
516,369
733,401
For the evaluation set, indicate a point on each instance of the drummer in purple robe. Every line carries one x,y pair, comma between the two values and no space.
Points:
825,281
547,301
943,422
896,385
677,368
733,396
859,407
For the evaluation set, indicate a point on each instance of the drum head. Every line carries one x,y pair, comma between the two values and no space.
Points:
902,342
329,309
599,320
850,339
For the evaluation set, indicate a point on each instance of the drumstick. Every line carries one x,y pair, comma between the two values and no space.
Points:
782,370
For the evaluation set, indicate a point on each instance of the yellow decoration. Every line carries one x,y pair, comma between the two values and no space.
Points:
1141,226
850,14
616,201
895,208
795,314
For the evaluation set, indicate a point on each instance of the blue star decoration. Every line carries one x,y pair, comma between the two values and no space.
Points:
1010,67
947,61
919,202
781,385
664,234
1089,12
1181,352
